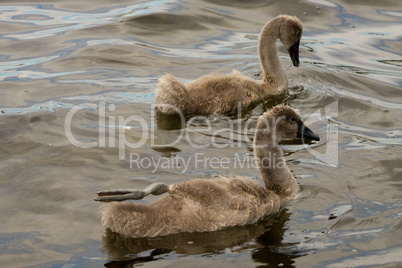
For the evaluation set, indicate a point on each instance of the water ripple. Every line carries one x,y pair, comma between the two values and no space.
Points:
61,21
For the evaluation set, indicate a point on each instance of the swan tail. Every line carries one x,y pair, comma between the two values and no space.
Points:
171,96
129,219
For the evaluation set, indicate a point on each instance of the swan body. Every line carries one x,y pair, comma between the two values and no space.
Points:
201,205
221,94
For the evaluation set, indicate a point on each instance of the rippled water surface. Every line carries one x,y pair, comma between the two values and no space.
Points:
72,72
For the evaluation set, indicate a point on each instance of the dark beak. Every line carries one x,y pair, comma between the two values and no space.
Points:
294,54
306,133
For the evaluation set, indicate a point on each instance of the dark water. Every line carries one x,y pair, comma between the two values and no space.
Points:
74,72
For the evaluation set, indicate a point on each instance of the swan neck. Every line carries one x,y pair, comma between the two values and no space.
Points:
274,73
274,171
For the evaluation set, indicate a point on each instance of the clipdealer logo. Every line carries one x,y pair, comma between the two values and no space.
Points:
112,130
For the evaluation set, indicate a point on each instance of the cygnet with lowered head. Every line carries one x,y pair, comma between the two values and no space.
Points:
221,94
202,205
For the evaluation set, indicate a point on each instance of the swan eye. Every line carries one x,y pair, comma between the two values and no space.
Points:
293,119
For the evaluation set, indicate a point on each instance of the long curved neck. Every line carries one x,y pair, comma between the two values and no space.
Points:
275,76
274,172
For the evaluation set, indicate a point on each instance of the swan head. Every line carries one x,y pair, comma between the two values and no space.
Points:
284,122
290,33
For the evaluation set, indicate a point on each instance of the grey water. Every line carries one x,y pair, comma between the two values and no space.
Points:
77,87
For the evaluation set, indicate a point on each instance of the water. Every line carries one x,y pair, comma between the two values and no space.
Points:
95,61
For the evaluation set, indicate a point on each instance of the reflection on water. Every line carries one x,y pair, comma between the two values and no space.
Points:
265,238
65,56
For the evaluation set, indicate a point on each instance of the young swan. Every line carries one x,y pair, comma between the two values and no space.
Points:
201,205
220,94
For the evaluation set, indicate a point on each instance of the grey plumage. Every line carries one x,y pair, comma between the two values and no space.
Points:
220,94
201,205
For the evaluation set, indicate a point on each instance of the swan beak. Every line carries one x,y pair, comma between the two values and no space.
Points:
294,54
306,133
